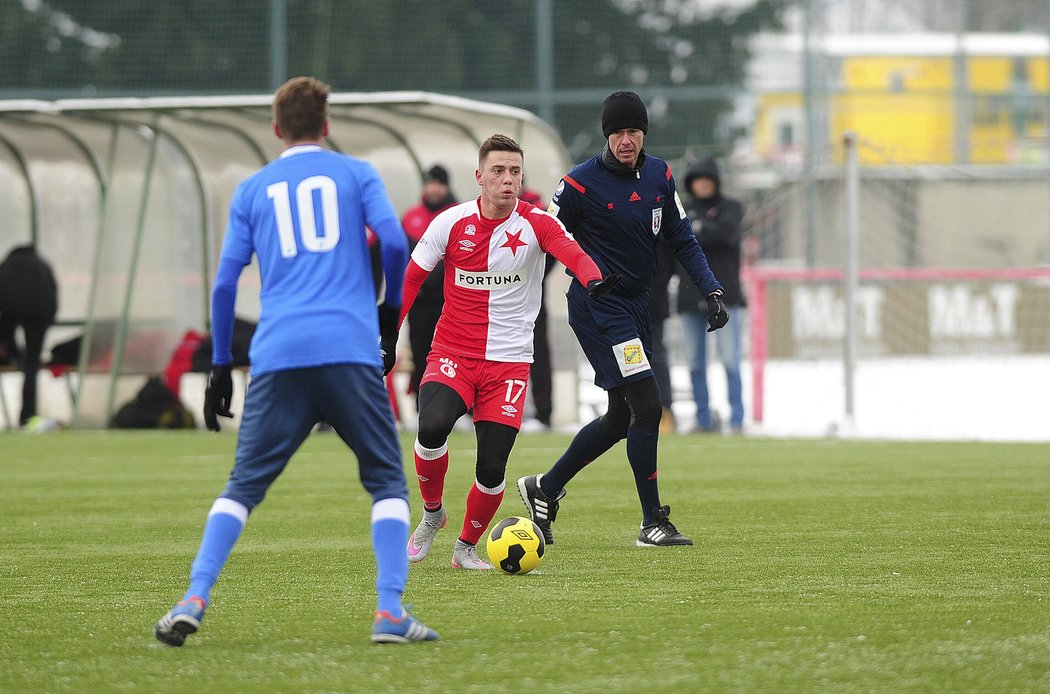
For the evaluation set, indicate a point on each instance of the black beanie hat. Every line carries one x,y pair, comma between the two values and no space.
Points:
623,110
437,173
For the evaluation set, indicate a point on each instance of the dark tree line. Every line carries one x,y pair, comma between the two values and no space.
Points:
143,47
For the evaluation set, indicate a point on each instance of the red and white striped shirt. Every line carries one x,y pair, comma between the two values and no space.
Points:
493,277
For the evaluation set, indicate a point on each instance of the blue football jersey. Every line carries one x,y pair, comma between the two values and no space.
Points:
304,216
617,220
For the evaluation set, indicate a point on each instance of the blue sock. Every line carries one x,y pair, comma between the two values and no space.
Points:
589,443
225,522
389,540
641,453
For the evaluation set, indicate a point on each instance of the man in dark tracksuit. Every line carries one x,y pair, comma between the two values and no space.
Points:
28,298
617,205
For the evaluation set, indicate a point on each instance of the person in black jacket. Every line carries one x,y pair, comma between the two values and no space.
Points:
28,298
716,221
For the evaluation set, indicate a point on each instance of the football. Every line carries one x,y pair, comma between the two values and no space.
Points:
515,545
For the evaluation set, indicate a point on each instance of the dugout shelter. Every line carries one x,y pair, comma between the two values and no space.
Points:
127,199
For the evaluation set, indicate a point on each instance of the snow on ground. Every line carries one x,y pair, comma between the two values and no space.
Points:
989,398
945,398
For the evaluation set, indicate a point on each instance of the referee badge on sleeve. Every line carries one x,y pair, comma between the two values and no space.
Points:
630,357
658,218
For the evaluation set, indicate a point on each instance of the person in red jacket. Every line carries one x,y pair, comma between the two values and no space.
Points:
423,318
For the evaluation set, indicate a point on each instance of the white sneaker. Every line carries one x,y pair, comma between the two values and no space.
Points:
466,557
419,542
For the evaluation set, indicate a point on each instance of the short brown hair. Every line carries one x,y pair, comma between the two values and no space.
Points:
300,108
498,143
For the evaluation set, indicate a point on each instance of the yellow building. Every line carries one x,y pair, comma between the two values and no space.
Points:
900,94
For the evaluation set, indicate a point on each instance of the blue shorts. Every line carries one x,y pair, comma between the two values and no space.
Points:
282,407
615,335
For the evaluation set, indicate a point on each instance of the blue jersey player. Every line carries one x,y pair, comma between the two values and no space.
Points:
314,355
617,205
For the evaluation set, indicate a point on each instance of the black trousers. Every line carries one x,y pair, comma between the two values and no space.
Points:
34,328
540,374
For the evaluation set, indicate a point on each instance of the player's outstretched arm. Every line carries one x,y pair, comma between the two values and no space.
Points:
393,251
557,242
219,392
414,278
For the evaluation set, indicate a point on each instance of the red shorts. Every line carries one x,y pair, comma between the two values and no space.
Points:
494,389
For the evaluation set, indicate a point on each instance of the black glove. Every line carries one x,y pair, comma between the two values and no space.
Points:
598,288
389,316
217,396
717,315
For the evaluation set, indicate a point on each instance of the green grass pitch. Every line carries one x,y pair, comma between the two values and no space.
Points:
819,566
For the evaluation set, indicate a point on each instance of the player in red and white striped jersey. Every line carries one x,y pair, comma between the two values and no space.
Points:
493,250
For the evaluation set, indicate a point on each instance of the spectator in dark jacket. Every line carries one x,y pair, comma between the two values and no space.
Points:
28,299
716,221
